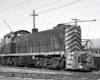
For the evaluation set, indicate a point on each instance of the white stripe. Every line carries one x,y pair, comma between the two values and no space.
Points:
71,41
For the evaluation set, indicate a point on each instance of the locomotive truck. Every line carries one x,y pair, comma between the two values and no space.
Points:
57,48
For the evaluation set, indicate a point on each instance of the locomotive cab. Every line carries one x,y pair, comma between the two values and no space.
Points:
10,41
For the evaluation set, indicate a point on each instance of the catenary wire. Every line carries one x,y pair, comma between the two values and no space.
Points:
61,20
88,30
15,6
64,12
74,17
21,21
35,9
50,23
58,7
58,20
49,10
72,11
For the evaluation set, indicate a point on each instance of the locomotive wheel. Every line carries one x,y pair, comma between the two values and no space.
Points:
56,65
8,61
4,62
19,62
15,62
41,64
11,62
62,64
37,64
45,64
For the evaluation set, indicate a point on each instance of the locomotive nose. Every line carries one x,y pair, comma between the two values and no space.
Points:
72,38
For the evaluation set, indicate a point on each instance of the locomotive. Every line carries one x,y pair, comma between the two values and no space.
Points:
57,48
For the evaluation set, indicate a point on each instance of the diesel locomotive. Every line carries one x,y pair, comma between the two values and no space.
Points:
57,48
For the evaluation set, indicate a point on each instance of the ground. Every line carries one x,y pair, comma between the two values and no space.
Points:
16,73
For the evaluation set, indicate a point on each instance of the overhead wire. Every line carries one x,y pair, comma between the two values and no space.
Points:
17,22
69,11
29,17
60,20
23,13
88,13
88,30
36,8
72,11
40,8
56,8
74,17
18,19
21,21
65,19
48,5
60,7
51,22
60,13
25,18
15,6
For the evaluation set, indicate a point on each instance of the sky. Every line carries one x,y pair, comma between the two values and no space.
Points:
16,13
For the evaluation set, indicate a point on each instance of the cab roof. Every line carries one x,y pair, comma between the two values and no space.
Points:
19,31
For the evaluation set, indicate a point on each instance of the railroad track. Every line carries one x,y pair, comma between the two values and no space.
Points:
33,70
35,73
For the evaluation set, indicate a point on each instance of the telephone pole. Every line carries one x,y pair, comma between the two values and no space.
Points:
77,20
33,18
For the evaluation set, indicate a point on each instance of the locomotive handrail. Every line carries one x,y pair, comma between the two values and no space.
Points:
86,44
34,54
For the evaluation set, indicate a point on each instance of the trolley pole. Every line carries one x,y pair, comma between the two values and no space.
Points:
7,25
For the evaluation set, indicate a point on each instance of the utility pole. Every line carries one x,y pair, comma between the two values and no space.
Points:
33,18
77,20
7,25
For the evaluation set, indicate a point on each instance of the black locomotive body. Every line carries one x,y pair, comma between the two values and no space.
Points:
58,48
45,41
